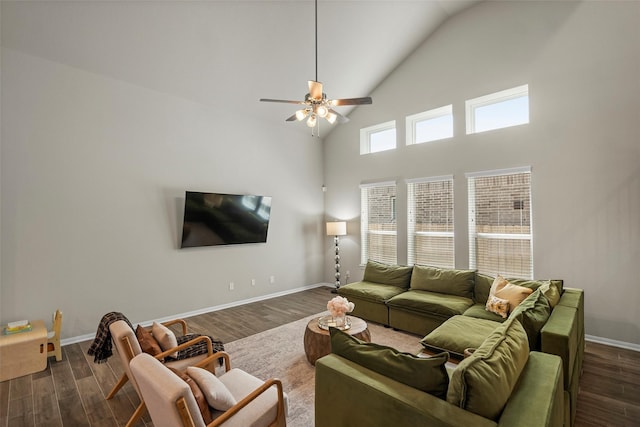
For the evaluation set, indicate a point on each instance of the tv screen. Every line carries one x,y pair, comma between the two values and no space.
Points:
224,219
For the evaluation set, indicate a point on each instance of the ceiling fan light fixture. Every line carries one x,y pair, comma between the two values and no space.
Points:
301,114
312,121
322,111
331,117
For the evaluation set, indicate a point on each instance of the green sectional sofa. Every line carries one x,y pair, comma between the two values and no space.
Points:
500,384
447,307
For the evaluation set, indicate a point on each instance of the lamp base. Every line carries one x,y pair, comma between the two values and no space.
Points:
334,290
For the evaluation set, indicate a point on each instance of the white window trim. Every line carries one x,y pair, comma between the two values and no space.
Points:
498,172
365,135
414,119
492,98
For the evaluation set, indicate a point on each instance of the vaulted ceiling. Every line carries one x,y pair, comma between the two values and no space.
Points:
228,54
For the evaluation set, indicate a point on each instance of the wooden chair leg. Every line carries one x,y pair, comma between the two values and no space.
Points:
123,380
140,411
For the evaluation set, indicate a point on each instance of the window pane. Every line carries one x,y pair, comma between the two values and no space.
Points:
503,114
434,129
430,223
381,141
378,224
500,224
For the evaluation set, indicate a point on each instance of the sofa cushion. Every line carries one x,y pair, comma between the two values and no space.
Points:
459,333
444,281
426,374
441,305
535,284
533,313
483,382
479,311
375,292
386,274
551,292
481,288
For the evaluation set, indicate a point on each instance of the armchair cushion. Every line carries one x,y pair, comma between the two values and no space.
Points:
147,342
165,337
426,374
201,400
217,394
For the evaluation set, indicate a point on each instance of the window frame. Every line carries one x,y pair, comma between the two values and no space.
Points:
471,105
472,227
364,220
412,121
411,220
366,133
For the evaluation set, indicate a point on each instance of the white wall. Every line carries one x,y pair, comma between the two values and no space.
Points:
94,171
582,62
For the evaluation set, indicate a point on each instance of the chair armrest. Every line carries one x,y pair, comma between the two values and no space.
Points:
280,417
184,345
182,322
210,365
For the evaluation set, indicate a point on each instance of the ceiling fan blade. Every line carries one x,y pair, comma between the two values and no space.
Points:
292,118
340,117
351,101
315,89
281,100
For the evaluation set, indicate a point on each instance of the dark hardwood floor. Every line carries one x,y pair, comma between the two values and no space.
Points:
71,392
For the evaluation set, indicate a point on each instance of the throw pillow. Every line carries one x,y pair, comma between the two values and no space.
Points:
386,274
148,344
443,280
502,289
551,292
498,306
216,393
533,313
203,405
483,382
426,374
165,337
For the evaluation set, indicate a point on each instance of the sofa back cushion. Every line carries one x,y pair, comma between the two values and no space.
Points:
386,274
481,288
483,382
444,281
426,374
533,313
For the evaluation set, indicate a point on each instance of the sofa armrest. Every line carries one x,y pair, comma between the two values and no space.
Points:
560,336
538,399
348,394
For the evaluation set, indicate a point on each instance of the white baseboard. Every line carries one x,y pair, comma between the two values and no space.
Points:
612,343
80,338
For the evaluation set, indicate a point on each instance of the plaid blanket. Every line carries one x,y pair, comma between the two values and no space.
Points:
196,349
101,347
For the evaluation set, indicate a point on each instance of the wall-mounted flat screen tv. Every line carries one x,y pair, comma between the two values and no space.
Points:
224,219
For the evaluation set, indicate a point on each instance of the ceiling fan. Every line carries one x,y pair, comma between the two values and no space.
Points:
316,104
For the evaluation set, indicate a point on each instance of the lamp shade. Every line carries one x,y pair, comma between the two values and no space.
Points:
337,228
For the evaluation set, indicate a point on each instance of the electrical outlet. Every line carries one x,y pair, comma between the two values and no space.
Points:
231,286
272,279
253,282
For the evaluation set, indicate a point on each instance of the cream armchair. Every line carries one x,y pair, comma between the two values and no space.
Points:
171,402
127,345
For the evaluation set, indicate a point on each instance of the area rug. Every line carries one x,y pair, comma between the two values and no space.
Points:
279,353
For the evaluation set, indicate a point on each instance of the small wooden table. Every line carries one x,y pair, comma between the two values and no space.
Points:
23,353
317,342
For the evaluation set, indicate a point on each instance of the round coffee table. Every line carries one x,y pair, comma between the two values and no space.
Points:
317,342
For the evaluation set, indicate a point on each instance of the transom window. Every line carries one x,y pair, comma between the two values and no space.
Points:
430,222
378,138
432,125
500,233
498,110
378,222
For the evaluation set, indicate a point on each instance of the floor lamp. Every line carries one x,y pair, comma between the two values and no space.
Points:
336,229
